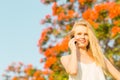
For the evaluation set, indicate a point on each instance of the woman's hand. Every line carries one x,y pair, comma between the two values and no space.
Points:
70,61
72,44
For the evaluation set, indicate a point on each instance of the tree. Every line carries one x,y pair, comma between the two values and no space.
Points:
104,16
20,71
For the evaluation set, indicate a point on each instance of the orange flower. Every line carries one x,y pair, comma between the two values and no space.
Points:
60,9
60,47
40,78
90,14
37,73
48,52
114,11
14,78
61,16
46,72
70,14
101,7
56,48
11,68
115,30
54,8
30,66
117,23
50,60
94,24
51,78
57,9
72,1
68,27
64,44
43,37
28,69
81,2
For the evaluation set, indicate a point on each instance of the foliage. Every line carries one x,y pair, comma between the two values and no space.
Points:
20,71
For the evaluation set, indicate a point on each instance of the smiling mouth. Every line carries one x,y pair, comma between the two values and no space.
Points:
82,41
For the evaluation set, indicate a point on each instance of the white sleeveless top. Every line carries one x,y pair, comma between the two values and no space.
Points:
88,72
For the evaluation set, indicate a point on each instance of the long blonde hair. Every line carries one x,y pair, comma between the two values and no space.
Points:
93,45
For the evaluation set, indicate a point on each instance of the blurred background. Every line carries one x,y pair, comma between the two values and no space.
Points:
33,35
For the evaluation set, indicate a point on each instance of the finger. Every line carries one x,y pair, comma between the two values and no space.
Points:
72,42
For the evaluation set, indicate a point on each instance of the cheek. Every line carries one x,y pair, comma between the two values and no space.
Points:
87,39
77,37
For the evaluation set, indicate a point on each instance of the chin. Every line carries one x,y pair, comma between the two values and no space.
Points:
82,46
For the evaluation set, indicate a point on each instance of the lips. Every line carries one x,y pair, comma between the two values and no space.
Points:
82,41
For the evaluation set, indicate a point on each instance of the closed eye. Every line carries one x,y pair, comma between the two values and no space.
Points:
86,34
79,33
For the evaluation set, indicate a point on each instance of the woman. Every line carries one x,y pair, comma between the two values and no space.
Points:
86,61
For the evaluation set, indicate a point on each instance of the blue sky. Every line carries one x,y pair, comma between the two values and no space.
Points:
19,31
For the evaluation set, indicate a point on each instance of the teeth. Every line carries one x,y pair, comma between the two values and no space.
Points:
82,41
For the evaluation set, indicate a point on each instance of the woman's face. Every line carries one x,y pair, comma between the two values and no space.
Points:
81,35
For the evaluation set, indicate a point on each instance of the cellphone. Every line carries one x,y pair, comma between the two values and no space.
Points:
73,37
75,42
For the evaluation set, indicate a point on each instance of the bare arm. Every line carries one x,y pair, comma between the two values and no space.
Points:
113,71
70,62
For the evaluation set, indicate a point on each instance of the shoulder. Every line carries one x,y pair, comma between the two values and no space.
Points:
66,56
65,59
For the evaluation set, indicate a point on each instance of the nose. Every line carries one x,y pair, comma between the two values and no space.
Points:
82,36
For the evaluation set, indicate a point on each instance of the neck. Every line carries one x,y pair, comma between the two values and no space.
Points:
83,50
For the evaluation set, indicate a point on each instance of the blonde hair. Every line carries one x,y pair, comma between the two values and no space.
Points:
93,46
